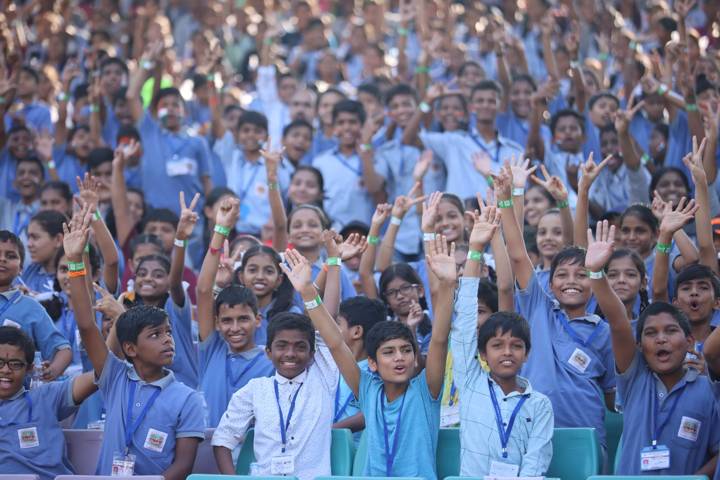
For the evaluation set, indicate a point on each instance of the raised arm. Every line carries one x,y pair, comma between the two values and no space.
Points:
590,171
402,204
558,191
367,261
706,246
521,171
331,292
535,146
277,208
148,62
711,118
711,351
627,144
186,225
118,192
374,182
597,256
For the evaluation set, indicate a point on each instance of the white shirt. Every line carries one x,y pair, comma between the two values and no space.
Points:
309,434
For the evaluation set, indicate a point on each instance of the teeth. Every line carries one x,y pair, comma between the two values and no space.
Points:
571,290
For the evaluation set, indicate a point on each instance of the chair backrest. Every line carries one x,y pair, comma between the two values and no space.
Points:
205,476
364,478
576,454
205,460
618,450
360,456
19,476
108,477
83,449
647,477
613,431
341,453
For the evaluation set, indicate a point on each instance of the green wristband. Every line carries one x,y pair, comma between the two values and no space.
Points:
97,216
662,90
224,231
373,239
273,186
76,266
645,159
602,56
94,108
422,69
403,32
505,203
475,256
489,181
333,262
691,107
663,247
562,204
314,303
87,248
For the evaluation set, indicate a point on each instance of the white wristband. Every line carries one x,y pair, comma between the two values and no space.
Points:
595,275
428,237
180,243
518,191
395,220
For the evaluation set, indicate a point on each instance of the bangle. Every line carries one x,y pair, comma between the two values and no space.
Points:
94,108
63,97
273,186
76,266
51,164
422,69
691,107
505,203
97,216
428,237
663,247
518,191
603,56
403,32
180,243
489,181
366,147
87,248
224,231
475,256
76,273
148,64
333,261
645,159
213,251
268,41
373,239
314,303
395,220
662,90
562,204
424,107
595,275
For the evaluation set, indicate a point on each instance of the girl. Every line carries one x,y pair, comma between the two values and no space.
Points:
628,278
212,204
56,195
671,184
45,236
306,186
450,219
324,137
537,201
136,207
71,158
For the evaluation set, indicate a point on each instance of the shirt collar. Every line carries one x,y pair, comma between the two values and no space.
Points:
9,294
17,395
588,317
690,376
247,354
300,379
161,382
521,382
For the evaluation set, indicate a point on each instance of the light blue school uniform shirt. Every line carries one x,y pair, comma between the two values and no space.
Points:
25,313
615,191
8,167
177,412
455,150
261,331
40,409
517,129
38,279
530,442
249,182
556,161
217,362
577,393
346,405
185,363
68,166
416,435
321,144
679,143
690,431
16,216
37,117
346,198
171,163
640,129
592,138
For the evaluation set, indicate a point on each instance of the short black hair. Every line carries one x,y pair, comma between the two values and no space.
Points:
32,159
18,338
600,95
50,221
199,81
162,215
299,123
468,63
31,71
385,331
349,106
567,256
167,92
236,295
6,236
486,85
609,128
290,321
134,320
98,156
488,294
107,61
696,271
504,322
363,312
400,89
524,77
254,118
371,89
566,112
656,308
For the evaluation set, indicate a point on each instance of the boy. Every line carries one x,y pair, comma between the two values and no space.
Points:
27,110
154,423
352,183
293,432
226,328
296,141
697,295
392,398
28,180
18,146
99,165
600,112
32,437
23,312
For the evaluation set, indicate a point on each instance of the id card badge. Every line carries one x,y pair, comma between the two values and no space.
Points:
178,166
282,465
28,437
123,465
580,360
449,415
654,458
501,469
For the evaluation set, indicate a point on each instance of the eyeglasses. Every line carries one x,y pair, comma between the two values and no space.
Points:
405,290
14,365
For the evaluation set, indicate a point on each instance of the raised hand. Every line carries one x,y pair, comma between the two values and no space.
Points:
125,152
108,305
482,163
600,248
694,162
673,220
422,165
272,162
434,92
403,203
44,142
226,267
415,316
590,171
659,205
441,260
88,191
76,233
382,213
298,270
624,117
330,239
521,170
552,184
502,183
188,218
353,246
430,212
228,212
485,224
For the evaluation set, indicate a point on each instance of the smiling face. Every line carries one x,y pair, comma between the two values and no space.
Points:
485,104
171,111
251,137
305,229
152,281
154,347
550,236
28,178
520,94
237,325
664,344
401,295
571,285
401,108
568,134
304,188
602,111
41,245
11,379
449,221
325,107
261,275
505,355
535,205
297,142
671,187
637,236
347,128
395,361
290,352
451,113
696,298
10,263
625,279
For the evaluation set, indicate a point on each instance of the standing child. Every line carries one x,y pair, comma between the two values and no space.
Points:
44,240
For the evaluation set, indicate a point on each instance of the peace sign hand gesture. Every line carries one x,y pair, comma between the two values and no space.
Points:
188,218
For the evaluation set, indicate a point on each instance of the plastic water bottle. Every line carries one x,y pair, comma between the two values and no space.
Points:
37,371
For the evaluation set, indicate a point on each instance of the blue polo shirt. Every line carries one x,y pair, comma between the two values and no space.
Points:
517,129
176,413
42,452
8,167
217,362
185,364
27,314
38,279
576,389
691,431
261,331
321,144
68,166
36,115
416,433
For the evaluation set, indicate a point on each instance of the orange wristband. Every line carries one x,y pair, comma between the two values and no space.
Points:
77,273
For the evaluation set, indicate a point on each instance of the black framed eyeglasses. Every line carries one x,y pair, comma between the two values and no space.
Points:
14,365
405,290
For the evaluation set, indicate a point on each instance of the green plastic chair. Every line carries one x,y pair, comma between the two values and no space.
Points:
341,453
364,478
576,454
204,476
616,462
613,431
648,477
481,478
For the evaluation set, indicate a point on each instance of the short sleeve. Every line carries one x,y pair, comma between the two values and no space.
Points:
236,420
113,370
531,298
437,142
191,422
47,338
203,157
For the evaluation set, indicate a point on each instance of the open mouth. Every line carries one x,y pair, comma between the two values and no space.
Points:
571,291
5,382
663,355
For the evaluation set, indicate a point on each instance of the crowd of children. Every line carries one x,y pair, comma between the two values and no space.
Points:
391,217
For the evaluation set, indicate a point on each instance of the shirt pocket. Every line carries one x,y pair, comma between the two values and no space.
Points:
42,446
578,359
689,429
156,436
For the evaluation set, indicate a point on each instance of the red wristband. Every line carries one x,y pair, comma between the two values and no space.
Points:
214,251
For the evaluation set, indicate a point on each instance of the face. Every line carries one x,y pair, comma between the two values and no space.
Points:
26,84
520,94
305,229
602,111
290,352
51,199
230,119
144,250
304,188
347,128
654,107
328,68
152,281
349,333
19,144
664,344
657,144
504,355
155,346
449,221
568,134
401,295
237,325
251,137
325,107
471,76
171,111
10,264
484,312
81,143
370,103
535,205
671,188
696,298
302,106
103,173
625,279
610,145
62,275
13,373
401,108
164,231
395,361
451,113
261,275
136,207
123,112
286,89
297,142
28,178
550,236
571,285
637,236
41,245
111,78
485,104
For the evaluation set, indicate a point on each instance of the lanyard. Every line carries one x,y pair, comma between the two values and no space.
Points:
340,411
235,379
657,429
246,186
573,334
475,138
9,303
28,400
504,433
453,390
285,424
356,171
174,151
390,453
131,427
